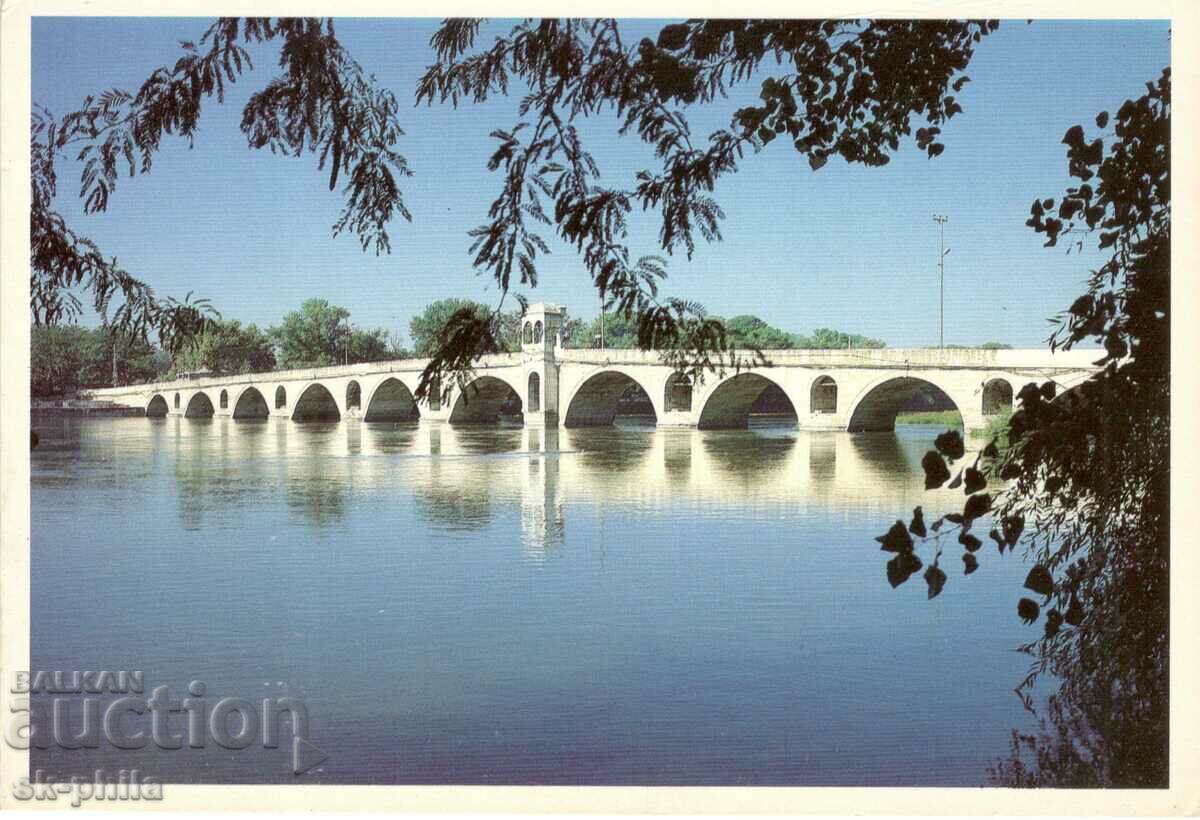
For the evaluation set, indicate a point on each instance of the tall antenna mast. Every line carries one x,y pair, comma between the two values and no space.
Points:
942,251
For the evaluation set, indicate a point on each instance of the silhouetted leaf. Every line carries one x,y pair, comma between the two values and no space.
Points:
917,527
990,451
936,471
995,536
976,506
1027,610
973,480
1039,580
673,37
969,541
936,579
1074,615
902,567
1012,527
1054,621
970,563
896,539
950,444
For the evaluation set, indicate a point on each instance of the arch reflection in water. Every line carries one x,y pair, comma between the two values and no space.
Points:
459,479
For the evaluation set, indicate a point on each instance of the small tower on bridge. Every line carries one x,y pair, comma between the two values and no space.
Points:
541,336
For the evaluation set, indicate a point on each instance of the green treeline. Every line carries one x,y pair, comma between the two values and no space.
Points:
67,358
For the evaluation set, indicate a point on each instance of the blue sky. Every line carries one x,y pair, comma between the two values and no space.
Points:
848,247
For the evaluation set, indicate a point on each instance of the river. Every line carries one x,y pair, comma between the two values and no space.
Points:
496,605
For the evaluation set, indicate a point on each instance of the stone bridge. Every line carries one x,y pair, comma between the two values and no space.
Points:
552,385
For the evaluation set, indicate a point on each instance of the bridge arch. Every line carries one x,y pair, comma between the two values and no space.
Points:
391,400
280,397
731,402
157,406
823,395
316,403
878,405
997,396
483,400
199,406
677,393
353,395
599,398
250,404
224,399
534,403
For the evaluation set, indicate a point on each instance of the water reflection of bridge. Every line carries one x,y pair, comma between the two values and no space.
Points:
461,479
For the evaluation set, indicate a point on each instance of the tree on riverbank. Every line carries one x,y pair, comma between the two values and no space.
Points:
426,327
321,102
66,358
1088,477
227,347
319,334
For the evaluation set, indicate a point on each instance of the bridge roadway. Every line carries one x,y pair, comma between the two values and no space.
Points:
855,390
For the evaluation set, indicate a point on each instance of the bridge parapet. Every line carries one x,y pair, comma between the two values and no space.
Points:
1034,358
827,389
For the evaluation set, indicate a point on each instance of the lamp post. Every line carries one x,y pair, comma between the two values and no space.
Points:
942,251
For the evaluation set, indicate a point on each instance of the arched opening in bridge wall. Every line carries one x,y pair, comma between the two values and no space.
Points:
157,407
392,401
251,405
316,403
280,398
224,399
746,395
822,398
677,395
353,396
199,406
604,397
535,392
176,401
997,397
877,410
484,401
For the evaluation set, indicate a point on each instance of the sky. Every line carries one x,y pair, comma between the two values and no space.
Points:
847,247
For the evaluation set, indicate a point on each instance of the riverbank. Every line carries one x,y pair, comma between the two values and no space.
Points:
940,418
55,407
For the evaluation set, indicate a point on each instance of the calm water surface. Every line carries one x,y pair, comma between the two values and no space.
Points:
510,606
